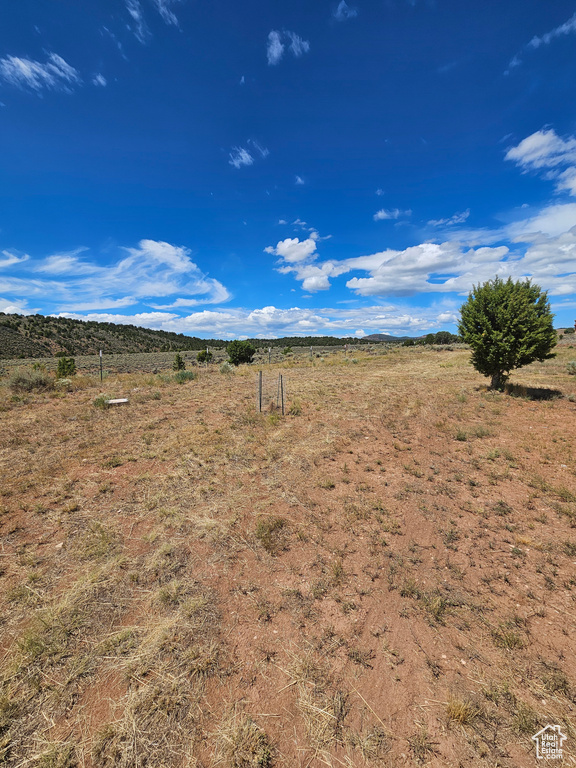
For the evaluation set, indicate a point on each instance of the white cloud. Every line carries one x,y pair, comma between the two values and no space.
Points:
383,214
55,75
165,10
298,46
293,250
12,258
379,192
275,47
545,151
152,271
344,11
569,27
139,28
274,322
99,80
457,218
299,181
240,157
9,307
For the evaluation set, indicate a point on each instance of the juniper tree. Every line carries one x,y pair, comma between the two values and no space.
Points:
508,325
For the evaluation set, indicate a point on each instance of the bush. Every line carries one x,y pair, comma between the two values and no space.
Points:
101,402
571,367
508,325
204,356
568,331
270,532
182,376
178,364
287,351
66,368
28,381
226,368
240,352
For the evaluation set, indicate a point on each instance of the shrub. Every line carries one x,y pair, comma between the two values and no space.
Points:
508,325
101,402
226,368
27,381
183,376
178,364
287,351
66,367
240,352
568,331
204,356
571,367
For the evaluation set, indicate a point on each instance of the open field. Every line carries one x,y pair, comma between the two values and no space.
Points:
386,576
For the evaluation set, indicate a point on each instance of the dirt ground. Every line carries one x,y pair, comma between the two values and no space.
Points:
384,576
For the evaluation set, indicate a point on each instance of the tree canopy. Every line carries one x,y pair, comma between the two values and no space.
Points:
508,325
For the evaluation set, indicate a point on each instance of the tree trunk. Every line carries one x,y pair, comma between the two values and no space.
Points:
498,380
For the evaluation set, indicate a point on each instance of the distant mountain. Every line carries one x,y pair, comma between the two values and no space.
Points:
388,338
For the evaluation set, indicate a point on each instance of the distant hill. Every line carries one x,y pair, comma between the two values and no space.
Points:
39,336
387,337
23,336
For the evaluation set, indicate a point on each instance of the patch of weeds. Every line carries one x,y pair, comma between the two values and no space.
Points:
461,711
97,542
525,720
101,402
569,548
362,658
422,746
271,533
241,743
295,408
25,380
501,508
507,638
556,681
57,756
327,485
461,436
373,745
113,461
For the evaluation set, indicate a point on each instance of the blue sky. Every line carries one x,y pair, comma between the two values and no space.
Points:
261,169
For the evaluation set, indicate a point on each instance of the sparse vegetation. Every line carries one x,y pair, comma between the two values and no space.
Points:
188,581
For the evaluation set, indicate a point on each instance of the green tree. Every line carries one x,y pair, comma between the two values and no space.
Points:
178,364
204,356
508,324
240,352
66,367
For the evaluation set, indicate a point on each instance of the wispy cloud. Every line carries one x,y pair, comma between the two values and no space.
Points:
384,214
275,47
164,8
299,181
55,74
139,28
567,28
9,259
150,273
343,12
99,80
239,157
451,221
548,152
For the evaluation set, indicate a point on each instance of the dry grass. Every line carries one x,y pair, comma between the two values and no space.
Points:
188,582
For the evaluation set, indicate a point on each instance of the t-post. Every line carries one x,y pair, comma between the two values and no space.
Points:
100,365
